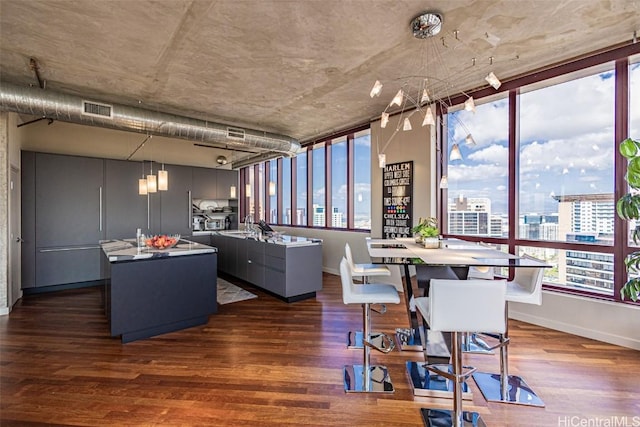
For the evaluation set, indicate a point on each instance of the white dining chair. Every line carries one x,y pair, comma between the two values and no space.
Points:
458,306
364,271
366,377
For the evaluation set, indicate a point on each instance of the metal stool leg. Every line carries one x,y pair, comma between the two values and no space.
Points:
366,377
503,387
457,417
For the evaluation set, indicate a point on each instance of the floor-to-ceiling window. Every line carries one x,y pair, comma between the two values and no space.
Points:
362,180
339,160
334,174
547,149
477,182
286,191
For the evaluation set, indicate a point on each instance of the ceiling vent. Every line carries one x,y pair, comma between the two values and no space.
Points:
74,109
96,109
235,133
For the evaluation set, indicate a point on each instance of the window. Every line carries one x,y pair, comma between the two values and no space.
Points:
478,183
301,187
318,186
339,183
333,175
286,191
556,158
362,180
273,192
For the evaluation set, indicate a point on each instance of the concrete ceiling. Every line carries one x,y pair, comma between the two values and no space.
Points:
297,68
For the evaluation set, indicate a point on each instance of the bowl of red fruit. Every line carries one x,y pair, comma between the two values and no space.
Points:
162,241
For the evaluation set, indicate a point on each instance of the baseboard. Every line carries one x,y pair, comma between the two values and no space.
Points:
576,330
331,271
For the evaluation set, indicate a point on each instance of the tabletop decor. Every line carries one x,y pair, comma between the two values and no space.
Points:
427,232
628,208
162,241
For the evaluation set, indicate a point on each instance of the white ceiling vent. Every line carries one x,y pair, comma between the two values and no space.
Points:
90,108
235,133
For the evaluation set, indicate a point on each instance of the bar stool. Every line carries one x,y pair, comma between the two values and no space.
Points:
526,288
367,377
458,306
354,338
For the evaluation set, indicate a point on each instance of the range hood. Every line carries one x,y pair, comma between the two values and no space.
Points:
75,109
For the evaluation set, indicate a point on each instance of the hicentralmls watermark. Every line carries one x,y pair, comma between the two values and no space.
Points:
613,421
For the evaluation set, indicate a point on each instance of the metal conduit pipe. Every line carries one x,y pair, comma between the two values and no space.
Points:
76,109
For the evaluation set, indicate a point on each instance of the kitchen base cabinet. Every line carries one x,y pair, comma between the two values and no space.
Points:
145,298
67,265
290,272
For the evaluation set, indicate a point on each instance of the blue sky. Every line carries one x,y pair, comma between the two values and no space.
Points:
567,144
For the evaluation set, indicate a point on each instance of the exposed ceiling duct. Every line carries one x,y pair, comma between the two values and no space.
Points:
75,109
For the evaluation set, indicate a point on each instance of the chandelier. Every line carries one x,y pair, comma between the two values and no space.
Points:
427,86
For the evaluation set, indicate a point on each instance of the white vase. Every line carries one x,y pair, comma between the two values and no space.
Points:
431,242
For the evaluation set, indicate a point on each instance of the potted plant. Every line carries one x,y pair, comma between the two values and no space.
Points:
427,232
628,208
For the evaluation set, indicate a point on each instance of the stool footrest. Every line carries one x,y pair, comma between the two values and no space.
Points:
459,378
384,345
382,310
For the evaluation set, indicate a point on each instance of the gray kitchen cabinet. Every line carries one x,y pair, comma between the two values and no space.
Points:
125,209
225,179
63,219
220,243
175,203
238,249
28,223
205,183
255,262
291,272
69,200
56,266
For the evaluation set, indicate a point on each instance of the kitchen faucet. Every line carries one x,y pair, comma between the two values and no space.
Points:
248,223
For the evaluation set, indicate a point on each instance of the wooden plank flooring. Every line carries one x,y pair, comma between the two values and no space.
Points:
263,362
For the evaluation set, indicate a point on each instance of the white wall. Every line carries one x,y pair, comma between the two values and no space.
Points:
599,320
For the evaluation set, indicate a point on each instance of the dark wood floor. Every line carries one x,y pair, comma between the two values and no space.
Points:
263,362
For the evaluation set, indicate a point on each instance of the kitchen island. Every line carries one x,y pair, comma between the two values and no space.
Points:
150,292
289,267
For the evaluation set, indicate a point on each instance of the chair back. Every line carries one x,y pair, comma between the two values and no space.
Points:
349,256
467,305
529,279
347,281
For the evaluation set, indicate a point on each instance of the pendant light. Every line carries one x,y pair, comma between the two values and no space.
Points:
152,183
142,184
163,179
455,153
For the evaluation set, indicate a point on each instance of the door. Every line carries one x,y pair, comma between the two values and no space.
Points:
15,292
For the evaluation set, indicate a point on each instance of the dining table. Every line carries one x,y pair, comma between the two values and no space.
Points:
452,259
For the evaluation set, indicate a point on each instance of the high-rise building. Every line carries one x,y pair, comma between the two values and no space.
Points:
473,217
586,218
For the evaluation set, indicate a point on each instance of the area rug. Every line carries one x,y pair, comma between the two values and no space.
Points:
228,293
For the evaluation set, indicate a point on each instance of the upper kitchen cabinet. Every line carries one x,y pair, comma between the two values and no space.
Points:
226,179
175,203
125,209
205,183
69,200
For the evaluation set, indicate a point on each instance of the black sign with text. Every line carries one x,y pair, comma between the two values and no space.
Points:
397,207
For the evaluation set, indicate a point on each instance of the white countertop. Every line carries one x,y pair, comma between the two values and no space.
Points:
126,250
